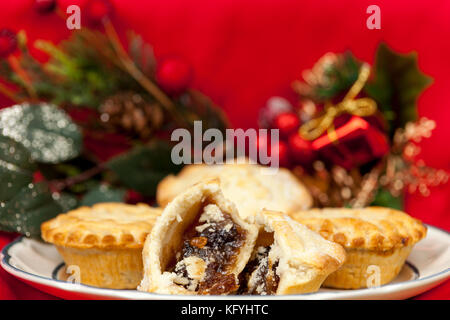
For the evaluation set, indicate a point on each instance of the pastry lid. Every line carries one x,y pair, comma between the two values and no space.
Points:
102,226
372,228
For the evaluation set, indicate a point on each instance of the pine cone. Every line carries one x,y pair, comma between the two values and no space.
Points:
132,113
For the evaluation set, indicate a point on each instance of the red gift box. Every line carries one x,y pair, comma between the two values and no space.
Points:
354,143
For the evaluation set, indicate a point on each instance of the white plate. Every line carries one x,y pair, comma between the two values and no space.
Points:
40,265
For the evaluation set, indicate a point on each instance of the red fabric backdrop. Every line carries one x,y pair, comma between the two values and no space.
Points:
246,51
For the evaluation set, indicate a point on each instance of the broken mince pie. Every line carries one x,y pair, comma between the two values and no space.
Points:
288,258
373,236
199,245
105,241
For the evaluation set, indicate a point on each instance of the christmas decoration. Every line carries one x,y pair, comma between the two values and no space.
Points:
281,150
92,123
97,11
174,75
131,113
273,107
287,123
44,6
8,42
357,142
301,150
353,144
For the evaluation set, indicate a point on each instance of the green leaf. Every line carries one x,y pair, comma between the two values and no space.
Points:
142,54
143,167
44,129
384,198
103,193
28,209
16,167
340,76
66,201
396,85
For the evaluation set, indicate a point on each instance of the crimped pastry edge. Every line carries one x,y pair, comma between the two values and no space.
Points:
129,236
353,232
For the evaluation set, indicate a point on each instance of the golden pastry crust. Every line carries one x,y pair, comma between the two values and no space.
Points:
358,268
249,186
162,246
373,228
112,268
373,237
300,258
102,226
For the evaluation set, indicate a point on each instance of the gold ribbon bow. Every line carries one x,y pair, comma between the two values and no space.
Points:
362,107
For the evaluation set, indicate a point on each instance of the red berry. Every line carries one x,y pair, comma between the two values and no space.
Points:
97,10
174,75
301,149
281,150
133,197
44,6
8,42
287,122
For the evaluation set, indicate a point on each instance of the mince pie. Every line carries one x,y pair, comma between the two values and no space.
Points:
250,186
105,241
288,258
372,236
198,246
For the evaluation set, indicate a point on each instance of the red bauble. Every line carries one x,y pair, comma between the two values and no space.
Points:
281,150
8,42
301,150
274,106
96,11
44,6
287,123
174,75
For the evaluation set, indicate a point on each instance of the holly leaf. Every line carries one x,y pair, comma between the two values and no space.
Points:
28,209
66,201
143,167
384,198
44,129
103,193
16,168
396,85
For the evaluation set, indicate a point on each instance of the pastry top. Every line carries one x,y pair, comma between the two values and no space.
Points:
250,186
168,233
372,228
300,246
102,226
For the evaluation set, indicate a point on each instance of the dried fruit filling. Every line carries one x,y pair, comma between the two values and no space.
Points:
260,275
208,252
